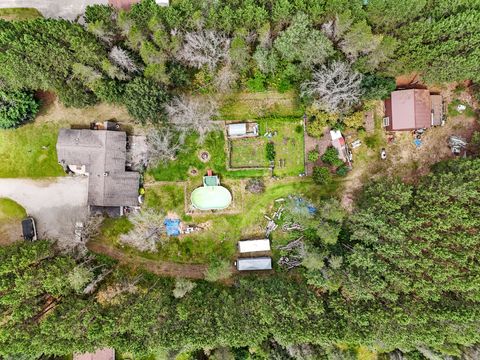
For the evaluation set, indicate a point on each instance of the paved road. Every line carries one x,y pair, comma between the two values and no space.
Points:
66,9
56,204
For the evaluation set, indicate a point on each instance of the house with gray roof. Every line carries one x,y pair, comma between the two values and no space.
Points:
100,155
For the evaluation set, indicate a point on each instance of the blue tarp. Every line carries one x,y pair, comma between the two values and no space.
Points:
417,142
172,226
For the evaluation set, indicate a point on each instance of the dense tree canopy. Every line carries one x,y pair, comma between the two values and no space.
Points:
16,108
401,272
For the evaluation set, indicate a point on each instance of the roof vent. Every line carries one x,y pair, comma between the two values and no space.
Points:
105,173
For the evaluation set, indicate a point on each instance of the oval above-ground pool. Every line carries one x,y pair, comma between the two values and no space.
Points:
211,198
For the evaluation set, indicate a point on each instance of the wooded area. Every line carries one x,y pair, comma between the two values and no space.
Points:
398,275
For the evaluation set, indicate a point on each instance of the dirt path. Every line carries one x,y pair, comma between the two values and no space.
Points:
163,268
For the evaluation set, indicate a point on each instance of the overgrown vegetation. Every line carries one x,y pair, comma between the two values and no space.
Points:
347,268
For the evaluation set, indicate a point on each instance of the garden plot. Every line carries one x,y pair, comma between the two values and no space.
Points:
287,136
248,153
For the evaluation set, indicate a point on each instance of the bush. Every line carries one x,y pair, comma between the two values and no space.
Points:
342,170
373,141
313,155
255,186
17,108
377,87
257,83
218,270
331,157
299,129
271,151
182,287
354,120
321,175
320,121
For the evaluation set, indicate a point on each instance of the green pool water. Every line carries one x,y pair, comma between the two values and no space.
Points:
211,198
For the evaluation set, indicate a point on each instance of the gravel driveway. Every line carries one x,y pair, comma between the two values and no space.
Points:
56,203
66,9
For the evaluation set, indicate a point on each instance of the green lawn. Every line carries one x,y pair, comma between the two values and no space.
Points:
178,170
245,105
29,151
221,231
287,135
166,198
19,14
10,210
249,152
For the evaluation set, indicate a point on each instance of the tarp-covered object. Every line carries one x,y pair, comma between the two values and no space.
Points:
172,227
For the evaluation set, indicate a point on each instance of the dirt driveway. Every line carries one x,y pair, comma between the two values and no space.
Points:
56,204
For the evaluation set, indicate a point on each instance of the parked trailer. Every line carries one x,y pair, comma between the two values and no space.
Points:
252,264
246,246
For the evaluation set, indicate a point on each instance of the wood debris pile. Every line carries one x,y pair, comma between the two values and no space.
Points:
295,254
272,221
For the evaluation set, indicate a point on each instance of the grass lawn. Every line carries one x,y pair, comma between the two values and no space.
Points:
29,151
288,140
170,197
10,210
178,170
249,152
245,105
221,231
19,14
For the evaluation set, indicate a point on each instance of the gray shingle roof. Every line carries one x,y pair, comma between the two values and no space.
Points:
103,153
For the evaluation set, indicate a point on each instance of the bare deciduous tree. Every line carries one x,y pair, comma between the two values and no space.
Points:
147,230
163,145
204,48
122,59
334,88
336,28
225,78
192,114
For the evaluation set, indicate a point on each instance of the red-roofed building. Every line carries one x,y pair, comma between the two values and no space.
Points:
412,109
100,354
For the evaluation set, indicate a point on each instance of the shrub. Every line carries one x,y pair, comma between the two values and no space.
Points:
313,155
354,120
255,186
299,129
182,287
373,141
257,83
331,157
271,151
16,108
218,270
377,87
321,175
342,170
320,121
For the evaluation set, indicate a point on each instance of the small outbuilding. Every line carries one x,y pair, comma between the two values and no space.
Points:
253,264
247,246
240,130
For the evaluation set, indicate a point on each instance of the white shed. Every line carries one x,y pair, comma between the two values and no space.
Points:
250,264
237,129
245,246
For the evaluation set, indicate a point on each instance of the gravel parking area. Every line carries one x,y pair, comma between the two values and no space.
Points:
55,204
65,9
